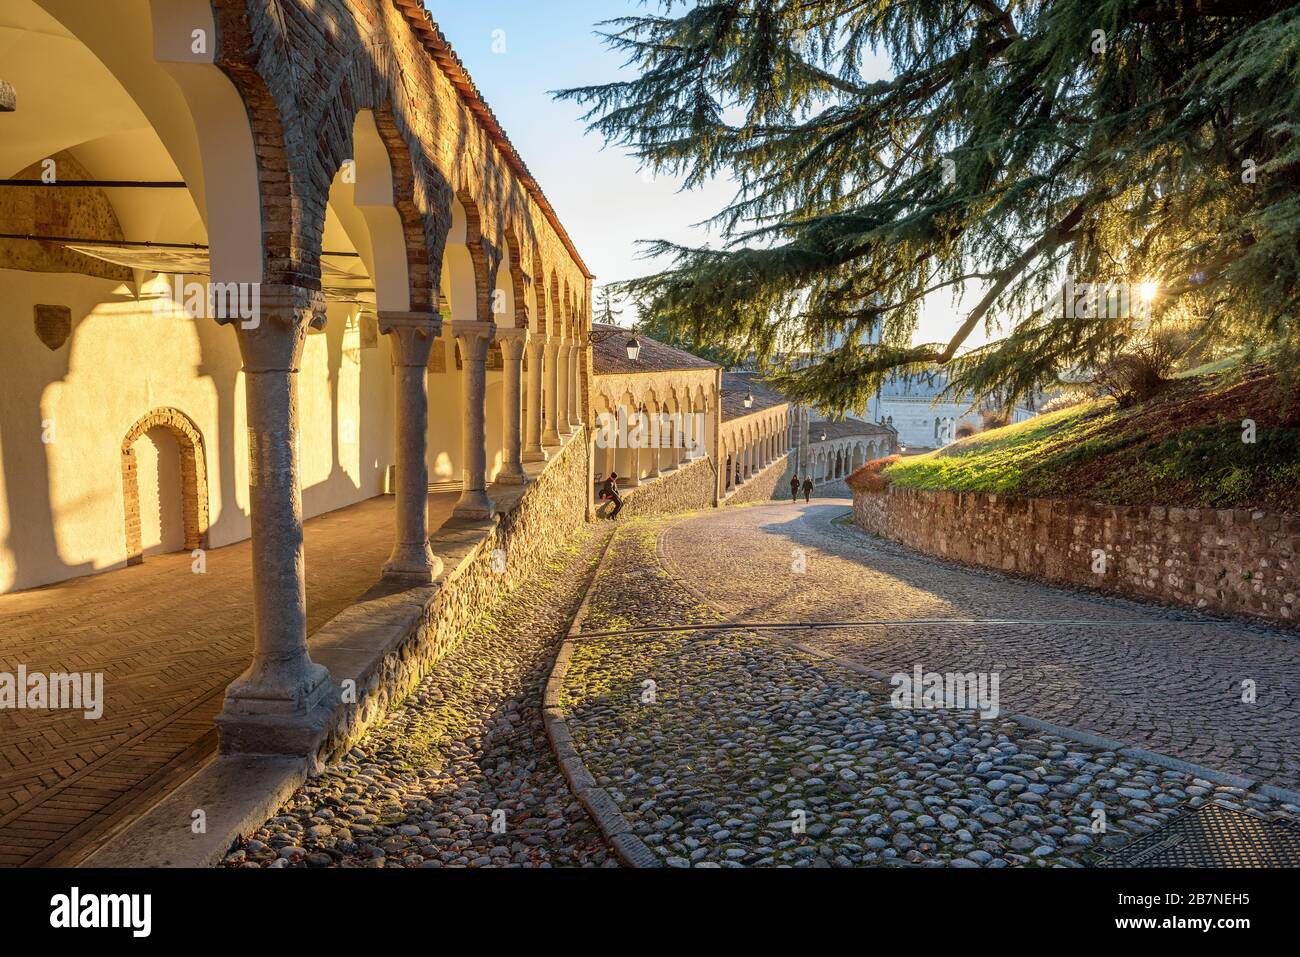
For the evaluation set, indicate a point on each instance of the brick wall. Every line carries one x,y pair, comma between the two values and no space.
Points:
305,70
1228,561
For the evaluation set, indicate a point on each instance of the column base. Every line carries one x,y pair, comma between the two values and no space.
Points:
473,504
512,478
551,437
292,691
276,717
535,455
411,563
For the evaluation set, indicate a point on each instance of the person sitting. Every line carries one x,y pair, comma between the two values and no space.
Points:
610,491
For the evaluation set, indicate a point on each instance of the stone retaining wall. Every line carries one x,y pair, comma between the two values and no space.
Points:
773,483
836,489
1229,561
548,514
685,489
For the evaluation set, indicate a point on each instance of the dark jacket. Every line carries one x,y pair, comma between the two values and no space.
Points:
609,489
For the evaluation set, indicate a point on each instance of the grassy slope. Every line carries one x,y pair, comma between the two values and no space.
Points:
1183,448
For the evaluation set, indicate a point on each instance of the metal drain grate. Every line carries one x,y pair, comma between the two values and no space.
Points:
1213,836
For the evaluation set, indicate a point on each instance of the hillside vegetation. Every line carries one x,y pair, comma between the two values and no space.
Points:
1188,447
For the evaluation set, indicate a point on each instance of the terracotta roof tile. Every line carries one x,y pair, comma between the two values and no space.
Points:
609,353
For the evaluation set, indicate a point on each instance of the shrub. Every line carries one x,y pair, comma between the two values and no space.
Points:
871,476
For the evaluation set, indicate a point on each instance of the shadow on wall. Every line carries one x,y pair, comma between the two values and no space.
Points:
78,502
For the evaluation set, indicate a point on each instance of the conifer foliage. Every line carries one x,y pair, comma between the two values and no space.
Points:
888,150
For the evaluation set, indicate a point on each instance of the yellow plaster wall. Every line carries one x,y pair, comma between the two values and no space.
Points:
61,503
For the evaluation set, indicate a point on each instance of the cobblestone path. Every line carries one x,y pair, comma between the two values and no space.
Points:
466,751
744,747
1162,679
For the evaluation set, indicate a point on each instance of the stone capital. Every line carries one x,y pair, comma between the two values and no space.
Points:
513,341
475,337
412,335
272,339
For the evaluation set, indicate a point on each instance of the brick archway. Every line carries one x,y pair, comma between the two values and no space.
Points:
194,479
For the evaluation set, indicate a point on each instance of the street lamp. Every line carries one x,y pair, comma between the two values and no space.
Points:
633,348
749,400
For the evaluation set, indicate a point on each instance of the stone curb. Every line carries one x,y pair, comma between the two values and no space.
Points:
631,850
1034,724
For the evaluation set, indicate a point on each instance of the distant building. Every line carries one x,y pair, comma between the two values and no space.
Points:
923,420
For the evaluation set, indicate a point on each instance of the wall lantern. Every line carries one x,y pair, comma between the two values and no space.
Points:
633,348
749,400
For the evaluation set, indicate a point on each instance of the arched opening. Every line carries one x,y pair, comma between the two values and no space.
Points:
164,485
117,91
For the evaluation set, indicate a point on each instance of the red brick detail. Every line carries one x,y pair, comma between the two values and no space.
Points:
194,480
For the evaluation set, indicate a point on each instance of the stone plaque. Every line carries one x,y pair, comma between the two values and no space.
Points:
53,325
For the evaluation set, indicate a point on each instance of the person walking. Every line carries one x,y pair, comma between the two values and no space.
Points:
807,489
610,491
794,488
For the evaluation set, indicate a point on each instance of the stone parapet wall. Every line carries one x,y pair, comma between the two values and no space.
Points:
422,626
1227,561
836,489
685,489
773,483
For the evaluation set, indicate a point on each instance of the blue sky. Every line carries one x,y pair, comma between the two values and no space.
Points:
520,50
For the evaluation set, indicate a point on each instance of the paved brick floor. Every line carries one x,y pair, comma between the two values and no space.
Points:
1157,678
168,642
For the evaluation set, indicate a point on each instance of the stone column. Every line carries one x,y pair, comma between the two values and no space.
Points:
562,388
533,451
669,439
474,339
272,699
411,337
805,452
551,436
513,342
650,453
575,386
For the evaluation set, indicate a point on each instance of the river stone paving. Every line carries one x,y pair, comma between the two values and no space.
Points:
727,749
465,750
1220,694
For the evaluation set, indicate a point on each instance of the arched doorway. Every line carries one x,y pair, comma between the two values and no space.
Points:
163,452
